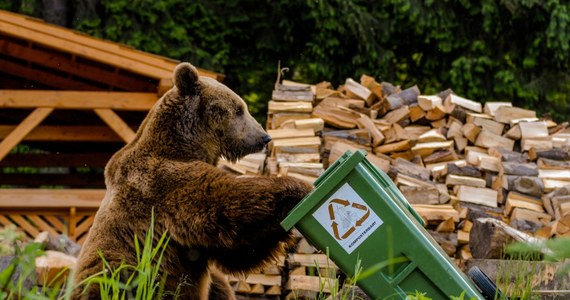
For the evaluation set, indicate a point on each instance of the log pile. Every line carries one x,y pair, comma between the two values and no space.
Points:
454,159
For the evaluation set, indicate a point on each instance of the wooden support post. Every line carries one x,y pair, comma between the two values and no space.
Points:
116,123
18,134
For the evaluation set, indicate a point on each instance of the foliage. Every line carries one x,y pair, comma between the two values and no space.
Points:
515,50
143,281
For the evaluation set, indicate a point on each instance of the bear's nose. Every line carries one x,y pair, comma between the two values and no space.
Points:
266,139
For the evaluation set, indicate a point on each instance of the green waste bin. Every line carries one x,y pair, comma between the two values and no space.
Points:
359,217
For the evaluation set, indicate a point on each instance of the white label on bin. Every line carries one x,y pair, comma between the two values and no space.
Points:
347,218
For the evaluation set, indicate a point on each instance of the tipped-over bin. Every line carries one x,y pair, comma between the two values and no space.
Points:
358,216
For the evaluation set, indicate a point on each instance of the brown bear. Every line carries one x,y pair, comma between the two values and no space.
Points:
215,220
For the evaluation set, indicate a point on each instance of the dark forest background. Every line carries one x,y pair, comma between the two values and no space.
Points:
488,50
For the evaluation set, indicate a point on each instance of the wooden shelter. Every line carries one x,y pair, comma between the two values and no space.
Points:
68,101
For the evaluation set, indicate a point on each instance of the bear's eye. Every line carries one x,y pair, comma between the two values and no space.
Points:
239,111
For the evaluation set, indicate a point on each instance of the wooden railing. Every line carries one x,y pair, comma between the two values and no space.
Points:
69,211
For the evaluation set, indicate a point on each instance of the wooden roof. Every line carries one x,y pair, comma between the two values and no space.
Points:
47,56
71,99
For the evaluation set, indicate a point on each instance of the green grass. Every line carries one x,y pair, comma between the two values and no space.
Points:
142,281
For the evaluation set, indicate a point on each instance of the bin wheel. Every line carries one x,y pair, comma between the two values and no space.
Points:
488,289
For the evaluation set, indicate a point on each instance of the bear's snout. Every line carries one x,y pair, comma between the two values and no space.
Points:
266,139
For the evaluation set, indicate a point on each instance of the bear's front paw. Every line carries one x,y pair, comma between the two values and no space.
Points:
294,191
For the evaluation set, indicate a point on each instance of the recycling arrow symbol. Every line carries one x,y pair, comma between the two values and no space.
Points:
346,203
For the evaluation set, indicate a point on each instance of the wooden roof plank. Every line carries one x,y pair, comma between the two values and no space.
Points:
117,124
66,134
77,99
43,77
122,56
16,136
62,63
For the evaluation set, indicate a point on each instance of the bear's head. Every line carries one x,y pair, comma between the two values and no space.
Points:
200,118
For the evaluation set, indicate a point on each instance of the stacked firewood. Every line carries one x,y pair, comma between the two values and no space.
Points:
454,159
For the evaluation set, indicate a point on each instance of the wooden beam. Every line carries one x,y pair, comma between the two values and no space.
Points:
44,77
116,123
66,133
77,99
90,160
18,134
37,180
61,62
48,198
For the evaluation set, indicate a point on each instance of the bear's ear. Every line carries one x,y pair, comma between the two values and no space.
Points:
186,78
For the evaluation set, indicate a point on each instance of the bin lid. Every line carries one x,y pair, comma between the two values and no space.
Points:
334,174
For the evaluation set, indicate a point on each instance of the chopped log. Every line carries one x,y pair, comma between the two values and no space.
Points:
393,147
359,91
488,139
515,199
425,149
488,240
523,184
436,213
366,122
550,164
466,103
414,131
533,129
523,214
507,155
446,226
406,180
439,124
470,131
462,237
514,133
489,163
276,120
437,113
447,240
483,196
505,114
370,83
317,124
540,144
277,106
553,184
416,112
310,283
547,199
306,96
454,128
486,123
554,174
520,169
397,115
403,166
298,157
297,145
405,97
443,193
443,155
460,143
464,180
433,135
336,116
555,154
471,171
491,107
514,122
290,133
420,195
339,148
54,266
429,102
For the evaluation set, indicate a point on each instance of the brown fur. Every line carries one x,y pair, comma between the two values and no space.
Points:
215,220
